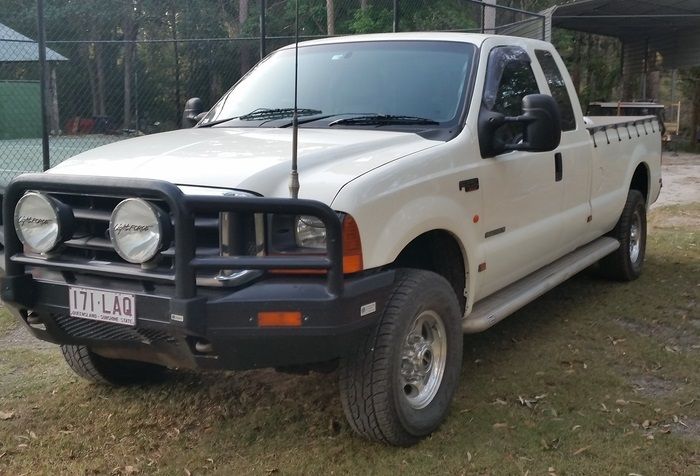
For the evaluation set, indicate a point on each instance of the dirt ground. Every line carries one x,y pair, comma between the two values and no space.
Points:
681,179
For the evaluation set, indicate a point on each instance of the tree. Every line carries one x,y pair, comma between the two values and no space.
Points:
130,30
330,17
242,19
690,86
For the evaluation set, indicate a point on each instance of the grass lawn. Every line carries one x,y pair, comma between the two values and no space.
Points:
593,378
7,323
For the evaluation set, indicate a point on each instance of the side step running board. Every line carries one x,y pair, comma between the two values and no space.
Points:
503,303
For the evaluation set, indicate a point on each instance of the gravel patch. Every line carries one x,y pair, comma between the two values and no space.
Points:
681,179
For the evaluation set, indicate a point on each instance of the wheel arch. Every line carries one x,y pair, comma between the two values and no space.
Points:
641,180
440,251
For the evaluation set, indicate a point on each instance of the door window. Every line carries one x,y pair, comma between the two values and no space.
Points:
509,79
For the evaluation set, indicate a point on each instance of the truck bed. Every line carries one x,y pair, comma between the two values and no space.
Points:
619,127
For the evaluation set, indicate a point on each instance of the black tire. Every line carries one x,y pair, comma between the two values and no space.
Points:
98,369
626,263
378,402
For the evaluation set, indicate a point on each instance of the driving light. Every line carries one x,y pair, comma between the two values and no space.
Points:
138,230
41,222
310,232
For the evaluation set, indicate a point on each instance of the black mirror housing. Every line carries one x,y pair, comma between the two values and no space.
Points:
541,122
193,113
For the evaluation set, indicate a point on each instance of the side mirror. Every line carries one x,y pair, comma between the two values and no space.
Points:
541,122
193,113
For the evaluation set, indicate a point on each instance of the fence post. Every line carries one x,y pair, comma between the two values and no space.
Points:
263,7
544,29
396,16
483,17
46,163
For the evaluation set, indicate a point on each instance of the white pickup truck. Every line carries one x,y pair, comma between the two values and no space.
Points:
446,180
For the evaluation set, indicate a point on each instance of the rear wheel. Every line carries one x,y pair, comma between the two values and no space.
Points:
626,263
397,386
103,370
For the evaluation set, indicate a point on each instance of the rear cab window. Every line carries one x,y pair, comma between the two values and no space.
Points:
557,86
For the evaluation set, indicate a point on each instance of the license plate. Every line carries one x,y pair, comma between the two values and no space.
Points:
102,305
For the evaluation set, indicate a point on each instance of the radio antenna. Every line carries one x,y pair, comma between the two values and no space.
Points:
294,175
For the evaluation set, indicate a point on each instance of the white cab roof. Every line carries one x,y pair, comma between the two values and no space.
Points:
473,38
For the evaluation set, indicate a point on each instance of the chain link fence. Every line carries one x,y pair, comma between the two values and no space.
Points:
115,70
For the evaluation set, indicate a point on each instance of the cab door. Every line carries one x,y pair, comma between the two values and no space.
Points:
574,164
522,196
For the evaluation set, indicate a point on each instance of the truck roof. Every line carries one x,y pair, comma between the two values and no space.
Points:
473,38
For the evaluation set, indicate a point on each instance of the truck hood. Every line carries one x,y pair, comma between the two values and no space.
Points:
257,160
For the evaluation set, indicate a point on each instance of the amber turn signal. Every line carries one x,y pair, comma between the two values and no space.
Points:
352,246
279,319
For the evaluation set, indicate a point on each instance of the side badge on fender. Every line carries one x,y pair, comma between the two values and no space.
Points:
368,309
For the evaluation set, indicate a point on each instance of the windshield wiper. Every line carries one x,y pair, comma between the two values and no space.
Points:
280,113
383,120
213,123
266,114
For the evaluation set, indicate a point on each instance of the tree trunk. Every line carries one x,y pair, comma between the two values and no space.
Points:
653,78
695,133
576,71
176,51
589,72
100,75
85,50
244,50
130,29
99,106
55,126
330,17
364,4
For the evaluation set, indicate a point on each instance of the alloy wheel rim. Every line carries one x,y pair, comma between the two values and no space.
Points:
423,359
635,237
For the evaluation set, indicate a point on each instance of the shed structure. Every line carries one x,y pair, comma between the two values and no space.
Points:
655,34
20,103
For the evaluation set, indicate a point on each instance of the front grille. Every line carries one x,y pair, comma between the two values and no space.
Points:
87,329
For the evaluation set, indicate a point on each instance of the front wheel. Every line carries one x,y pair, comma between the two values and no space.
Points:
625,264
397,385
102,370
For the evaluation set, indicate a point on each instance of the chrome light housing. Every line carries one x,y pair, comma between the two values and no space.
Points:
138,230
41,222
310,232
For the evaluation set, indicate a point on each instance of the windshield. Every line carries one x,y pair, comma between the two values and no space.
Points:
406,83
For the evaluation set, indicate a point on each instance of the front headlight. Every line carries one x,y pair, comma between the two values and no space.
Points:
138,230
41,222
310,232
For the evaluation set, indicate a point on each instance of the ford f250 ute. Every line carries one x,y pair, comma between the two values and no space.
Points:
446,181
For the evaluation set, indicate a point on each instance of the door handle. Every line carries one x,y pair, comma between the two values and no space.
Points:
558,167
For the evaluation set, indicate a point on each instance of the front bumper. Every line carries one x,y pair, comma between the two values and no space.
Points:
226,320
180,324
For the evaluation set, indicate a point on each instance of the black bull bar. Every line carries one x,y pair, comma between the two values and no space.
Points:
17,284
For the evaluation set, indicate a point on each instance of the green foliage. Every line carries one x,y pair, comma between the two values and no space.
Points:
690,86
444,15
371,20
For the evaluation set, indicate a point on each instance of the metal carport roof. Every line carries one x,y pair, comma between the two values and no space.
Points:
629,18
668,27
